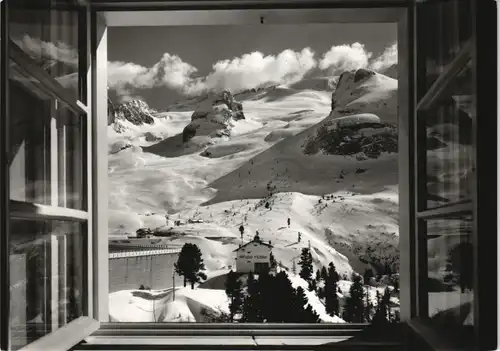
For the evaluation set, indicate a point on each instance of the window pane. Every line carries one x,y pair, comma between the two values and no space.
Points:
46,277
46,143
444,27
448,127
450,271
49,35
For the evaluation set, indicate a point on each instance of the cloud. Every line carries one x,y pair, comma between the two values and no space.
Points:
245,72
388,58
39,49
254,69
345,57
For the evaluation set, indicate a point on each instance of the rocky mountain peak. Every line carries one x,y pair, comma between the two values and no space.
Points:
214,116
136,112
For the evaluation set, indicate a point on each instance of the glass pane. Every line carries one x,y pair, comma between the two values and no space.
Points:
46,143
450,270
444,26
49,35
449,144
46,277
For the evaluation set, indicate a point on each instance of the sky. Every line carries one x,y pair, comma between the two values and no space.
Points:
163,64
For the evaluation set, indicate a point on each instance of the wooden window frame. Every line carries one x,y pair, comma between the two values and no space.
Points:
485,319
66,336
238,12
102,14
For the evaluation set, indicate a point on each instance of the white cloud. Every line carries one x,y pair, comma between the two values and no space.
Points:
345,57
57,51
244,72
388,58
254,69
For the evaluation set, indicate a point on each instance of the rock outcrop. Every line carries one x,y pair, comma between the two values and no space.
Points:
364,91
362,121
214,117
362,136
136,112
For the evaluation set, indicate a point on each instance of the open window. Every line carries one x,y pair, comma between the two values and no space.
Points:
49,239
54,192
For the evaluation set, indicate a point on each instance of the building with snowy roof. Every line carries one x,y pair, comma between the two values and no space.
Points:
254,256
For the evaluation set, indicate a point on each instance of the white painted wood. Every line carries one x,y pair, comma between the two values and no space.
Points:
65,337
445,79
27,210
90,234
247,17
100,167
54,282
54,156
405,173
63,278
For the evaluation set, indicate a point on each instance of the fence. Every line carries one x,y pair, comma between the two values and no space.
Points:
140,253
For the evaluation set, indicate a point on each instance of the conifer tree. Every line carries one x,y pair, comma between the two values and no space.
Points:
382,313
190,264
312,285
233,291
324,273
317,276
368,307
251,309
304,314
332,304
306,267
332,273
354,307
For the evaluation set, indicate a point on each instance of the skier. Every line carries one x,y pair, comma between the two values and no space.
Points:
299,237
288,222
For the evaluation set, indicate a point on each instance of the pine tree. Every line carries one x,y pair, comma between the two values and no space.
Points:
332,273
332,304
284,304
190,264
318,276
294,267
266,296
354,307
324,273
233,291
382,313
312,285
368,307
304,314
251,309
306,267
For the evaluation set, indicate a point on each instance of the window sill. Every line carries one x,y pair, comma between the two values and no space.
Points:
65,337
433,338
185,336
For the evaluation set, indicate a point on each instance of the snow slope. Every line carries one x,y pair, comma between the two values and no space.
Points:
227,182
189,304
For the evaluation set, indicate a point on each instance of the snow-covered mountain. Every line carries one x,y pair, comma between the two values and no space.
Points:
336,201
136,112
